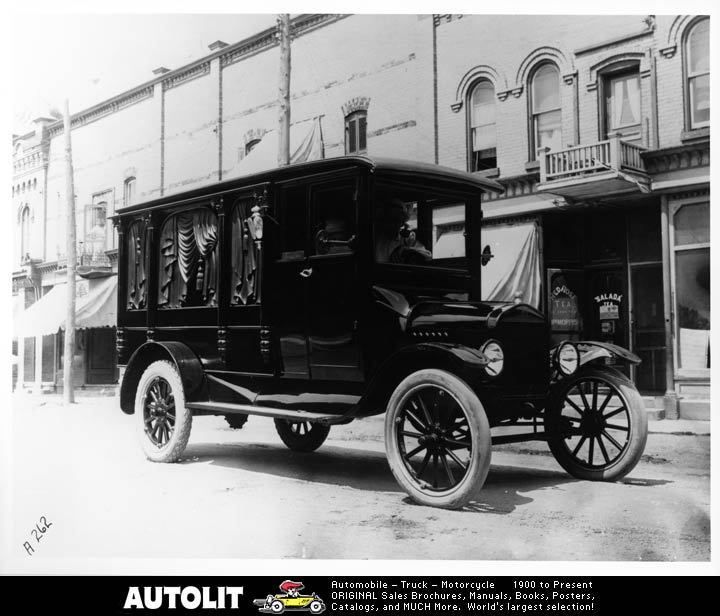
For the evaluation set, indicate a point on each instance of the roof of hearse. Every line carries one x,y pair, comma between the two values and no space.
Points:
381,166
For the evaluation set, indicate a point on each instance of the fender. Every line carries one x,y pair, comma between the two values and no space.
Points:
465,362
591,350
186,361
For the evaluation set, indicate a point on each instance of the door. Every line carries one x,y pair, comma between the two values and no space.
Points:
332,283
648,326
101,364
607,306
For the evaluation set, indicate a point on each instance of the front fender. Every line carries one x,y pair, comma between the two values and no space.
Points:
594,351
465,362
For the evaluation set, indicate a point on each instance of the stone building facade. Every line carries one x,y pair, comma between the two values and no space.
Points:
598,127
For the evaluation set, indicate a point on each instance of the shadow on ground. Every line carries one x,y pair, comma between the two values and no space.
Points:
506,488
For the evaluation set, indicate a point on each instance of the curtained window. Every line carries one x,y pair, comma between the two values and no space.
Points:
546,111
136,266
622,104
188,260
244,260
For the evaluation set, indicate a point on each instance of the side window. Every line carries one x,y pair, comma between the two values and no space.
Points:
188,260
244,258
293,223
136,266
333,218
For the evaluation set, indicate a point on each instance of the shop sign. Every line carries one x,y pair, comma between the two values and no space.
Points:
609,306
564,311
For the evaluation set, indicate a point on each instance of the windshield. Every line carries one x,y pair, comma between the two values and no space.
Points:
414,227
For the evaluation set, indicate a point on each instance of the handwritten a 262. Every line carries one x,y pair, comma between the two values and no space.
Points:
41,527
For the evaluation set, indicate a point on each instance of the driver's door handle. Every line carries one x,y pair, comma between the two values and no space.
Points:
306,273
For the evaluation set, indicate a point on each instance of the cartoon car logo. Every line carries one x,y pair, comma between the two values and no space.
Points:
290,599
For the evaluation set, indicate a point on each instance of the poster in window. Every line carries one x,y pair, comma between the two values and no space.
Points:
564,306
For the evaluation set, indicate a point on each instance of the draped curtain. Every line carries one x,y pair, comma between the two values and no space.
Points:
136,255
244,257
188,260
513,272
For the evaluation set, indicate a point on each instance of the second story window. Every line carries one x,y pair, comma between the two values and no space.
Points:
545,105
697,67
129,192
622,103
356,133
95,224
24,233
482,127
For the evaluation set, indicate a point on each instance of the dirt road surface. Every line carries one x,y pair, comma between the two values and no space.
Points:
242,494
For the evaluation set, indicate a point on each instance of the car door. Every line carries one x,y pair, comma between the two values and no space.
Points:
332,282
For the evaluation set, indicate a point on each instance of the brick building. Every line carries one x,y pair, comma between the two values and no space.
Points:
598,127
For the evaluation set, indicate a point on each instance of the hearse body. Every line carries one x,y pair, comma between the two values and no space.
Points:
320,293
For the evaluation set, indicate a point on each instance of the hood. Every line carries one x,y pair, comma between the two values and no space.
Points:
417,311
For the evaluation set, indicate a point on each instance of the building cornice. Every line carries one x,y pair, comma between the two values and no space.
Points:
300,25
680,157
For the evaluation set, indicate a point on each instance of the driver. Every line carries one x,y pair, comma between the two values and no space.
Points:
394,242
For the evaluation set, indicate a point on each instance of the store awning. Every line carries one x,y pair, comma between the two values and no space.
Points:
97,308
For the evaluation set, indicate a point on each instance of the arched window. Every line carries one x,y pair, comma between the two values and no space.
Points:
483,136
621,94
25,233
545,109
697,70
250,145
129,192
356,132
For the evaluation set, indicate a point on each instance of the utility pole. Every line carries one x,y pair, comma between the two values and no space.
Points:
69,347
283,24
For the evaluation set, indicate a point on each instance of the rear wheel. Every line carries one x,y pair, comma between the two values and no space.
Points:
301,435
597,424
437,439
163,421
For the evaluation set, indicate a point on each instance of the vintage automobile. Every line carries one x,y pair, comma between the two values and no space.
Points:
290,599
323,292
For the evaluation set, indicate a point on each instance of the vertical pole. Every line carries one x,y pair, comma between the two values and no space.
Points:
283,24
69,350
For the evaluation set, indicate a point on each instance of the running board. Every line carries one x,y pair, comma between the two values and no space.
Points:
227,408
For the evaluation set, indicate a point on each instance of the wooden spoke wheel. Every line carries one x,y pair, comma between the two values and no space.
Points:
597,424
437,439
304,436
164,423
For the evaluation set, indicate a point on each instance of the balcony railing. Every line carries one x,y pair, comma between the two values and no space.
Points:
584,161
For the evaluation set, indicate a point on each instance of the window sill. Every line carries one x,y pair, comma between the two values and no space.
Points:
488,173
695,134
532,166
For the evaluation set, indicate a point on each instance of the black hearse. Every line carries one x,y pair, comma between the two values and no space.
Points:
319,293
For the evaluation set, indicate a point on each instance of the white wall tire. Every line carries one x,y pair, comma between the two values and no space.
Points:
437,439
163,422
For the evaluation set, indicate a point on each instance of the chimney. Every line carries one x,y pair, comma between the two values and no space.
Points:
217,45
161,70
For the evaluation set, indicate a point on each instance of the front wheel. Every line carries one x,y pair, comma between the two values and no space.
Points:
596,424
437,439
304,436
163,421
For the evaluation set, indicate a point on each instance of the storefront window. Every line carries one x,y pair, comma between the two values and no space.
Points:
692,285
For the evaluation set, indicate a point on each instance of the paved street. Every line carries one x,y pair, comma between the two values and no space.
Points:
242,494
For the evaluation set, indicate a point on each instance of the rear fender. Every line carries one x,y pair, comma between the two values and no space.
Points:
186,362
465,362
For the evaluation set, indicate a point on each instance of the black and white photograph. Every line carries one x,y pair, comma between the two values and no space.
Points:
356,289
